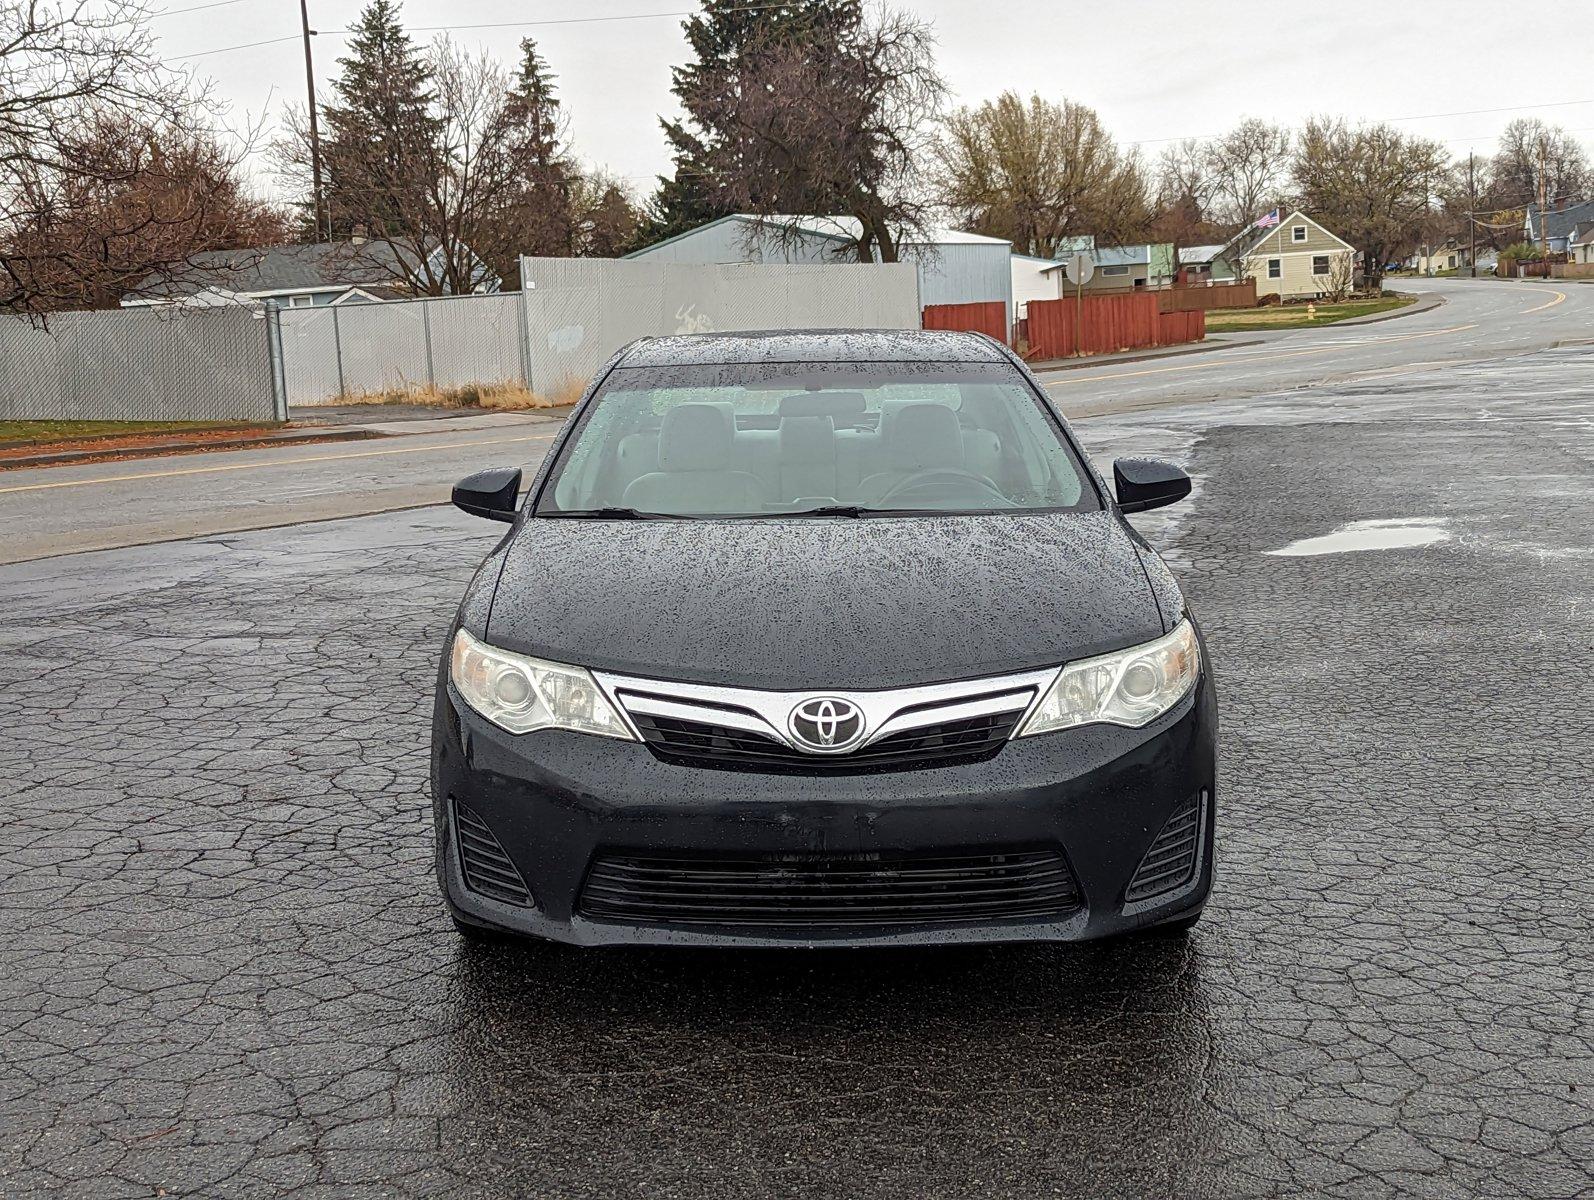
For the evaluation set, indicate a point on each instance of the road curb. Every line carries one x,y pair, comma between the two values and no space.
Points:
1110,360
1424,304
298,438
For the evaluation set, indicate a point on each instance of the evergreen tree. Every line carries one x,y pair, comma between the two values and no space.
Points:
721,37
381,130
541,209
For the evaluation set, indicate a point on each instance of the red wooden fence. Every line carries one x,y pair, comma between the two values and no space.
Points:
986,317
1108,323
1205,296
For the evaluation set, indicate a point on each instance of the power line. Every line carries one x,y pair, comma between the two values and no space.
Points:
172,12
292,37
460,28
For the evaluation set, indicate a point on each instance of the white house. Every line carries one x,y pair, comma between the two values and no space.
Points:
954,267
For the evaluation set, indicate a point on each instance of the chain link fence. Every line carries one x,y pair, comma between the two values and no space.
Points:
168,364
443,342
252,362
579,311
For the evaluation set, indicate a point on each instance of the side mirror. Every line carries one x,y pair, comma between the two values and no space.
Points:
1144,483
489,493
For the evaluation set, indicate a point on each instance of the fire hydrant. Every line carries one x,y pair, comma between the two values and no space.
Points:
1311,310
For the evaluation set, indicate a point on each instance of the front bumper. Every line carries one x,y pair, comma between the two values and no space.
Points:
556,801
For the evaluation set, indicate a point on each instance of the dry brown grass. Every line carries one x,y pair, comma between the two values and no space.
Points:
500,397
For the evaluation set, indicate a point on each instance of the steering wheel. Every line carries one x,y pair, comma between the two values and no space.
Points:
938,480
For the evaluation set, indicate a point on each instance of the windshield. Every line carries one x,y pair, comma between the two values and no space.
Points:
770,439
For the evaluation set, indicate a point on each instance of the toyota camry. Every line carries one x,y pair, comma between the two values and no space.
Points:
822,638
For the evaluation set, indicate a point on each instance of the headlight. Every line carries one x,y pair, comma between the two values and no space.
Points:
1131,687
520,693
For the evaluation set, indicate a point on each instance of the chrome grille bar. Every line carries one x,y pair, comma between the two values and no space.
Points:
886,712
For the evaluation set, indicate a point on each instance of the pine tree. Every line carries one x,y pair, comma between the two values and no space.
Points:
381,131
542,209
720,36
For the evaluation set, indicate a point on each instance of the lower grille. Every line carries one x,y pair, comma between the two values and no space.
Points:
792,892
700,744
1171,861
487,869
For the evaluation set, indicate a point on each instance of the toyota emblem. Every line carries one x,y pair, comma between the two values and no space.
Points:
826,725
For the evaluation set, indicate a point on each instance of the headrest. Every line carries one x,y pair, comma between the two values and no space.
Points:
697,437
823,404
807,440
918,437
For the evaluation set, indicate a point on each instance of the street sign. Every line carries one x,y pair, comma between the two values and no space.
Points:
1080,268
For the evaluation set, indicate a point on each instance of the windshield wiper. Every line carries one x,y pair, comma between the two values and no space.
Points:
843,510
611,514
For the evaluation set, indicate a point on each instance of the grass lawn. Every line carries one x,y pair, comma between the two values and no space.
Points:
35,433
1293,316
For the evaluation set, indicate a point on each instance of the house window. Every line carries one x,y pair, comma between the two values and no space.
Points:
1275,268
300,301
1120,270
1452,262
1319,264
1298,233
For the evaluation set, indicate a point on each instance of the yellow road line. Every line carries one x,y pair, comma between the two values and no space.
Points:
1559,296
275,462
1218,360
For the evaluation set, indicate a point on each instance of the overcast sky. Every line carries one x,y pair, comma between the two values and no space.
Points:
1155,70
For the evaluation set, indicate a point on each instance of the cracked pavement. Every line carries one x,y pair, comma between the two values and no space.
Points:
226,971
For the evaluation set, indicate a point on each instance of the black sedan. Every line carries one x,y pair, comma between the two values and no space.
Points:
822,638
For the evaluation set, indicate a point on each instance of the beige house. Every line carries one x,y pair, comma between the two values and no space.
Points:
1293,257
1433,257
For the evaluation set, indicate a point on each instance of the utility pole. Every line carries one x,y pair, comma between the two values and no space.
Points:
1472,217
1544,210
315,136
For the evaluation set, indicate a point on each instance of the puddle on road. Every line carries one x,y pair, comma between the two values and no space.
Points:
1398,534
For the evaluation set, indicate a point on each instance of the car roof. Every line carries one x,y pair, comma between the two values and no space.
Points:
812,345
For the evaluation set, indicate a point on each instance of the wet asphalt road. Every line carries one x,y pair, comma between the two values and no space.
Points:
94,506
226,972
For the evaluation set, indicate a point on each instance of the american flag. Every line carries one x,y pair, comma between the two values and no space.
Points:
1268,219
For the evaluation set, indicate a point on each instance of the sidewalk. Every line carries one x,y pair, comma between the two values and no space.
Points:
350,423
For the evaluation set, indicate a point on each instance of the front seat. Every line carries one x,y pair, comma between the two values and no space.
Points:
914,438
695,474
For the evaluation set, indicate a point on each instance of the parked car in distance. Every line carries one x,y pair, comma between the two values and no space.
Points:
822,638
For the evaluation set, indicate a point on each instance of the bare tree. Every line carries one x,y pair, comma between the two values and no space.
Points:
1185,185
1371,184
1341,277
1532,153
839,124
1037,173
112,171
1249,166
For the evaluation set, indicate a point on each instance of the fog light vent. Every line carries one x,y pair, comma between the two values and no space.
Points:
488,870
1171,861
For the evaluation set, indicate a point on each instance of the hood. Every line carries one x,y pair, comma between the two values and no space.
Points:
823,602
